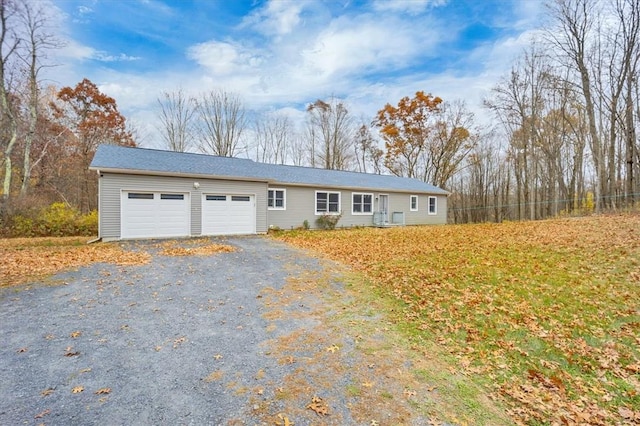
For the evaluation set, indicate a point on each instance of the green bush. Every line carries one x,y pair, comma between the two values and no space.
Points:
56,220
328,221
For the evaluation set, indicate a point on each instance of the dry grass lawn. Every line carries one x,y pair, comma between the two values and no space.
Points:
544,315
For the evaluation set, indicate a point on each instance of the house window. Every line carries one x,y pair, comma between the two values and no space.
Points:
240,198
216,198
413,203
276,199
433,206
327,202
362,203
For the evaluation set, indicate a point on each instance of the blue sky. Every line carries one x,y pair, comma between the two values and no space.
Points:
281,55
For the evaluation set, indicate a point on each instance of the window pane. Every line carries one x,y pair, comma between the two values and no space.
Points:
139,196
357,208
334,201
357,198
270,202
240,198
216,198
172,196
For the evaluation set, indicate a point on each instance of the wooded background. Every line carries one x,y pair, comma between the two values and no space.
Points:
562,139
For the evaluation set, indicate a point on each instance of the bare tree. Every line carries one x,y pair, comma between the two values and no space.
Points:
38,40
177,115
367,151
330,134
449,143
222,122
574,36
273,135
9,43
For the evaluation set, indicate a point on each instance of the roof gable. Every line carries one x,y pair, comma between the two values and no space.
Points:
120,159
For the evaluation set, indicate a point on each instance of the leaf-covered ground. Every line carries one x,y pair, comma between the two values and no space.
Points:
545,315
30,259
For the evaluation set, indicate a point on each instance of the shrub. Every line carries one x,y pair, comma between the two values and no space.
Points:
56,220
328,221
306,225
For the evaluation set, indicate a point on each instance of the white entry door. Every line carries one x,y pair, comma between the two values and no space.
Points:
383,207
228,214
146,214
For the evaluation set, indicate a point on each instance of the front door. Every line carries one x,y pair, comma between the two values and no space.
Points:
383,207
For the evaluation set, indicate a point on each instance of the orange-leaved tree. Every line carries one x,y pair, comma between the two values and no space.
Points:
90,118
426,138
406,129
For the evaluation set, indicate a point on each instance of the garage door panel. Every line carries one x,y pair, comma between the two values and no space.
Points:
226,214
157,214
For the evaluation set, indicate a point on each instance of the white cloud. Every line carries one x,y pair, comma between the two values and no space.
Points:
223,58
364,45
276,17
412,7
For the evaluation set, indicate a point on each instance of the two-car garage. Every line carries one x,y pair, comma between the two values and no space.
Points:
159,214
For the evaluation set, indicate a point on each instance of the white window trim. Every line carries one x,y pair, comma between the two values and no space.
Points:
315,203
284,199
362,213
411,197
435,204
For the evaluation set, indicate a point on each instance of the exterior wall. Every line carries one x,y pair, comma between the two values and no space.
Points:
300,206
111,186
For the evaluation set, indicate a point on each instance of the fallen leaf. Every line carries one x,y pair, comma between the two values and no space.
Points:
217,356
77,389
85,370
47,392
318,406
76,334
367,384
285,421
333,348
70,354
625,413
22,350
103,391
42,414
409,393
179,341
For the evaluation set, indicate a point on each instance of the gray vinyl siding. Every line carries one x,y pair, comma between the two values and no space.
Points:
300,206
112,185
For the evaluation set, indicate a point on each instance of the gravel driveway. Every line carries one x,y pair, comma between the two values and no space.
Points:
262,335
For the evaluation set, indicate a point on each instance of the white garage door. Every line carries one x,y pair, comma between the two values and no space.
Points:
227,214
154,214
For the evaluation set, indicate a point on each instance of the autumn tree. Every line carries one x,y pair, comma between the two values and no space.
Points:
406,129
222,122
177,117
329,134
425,138
90,118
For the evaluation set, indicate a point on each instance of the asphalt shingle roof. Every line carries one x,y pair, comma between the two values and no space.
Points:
137,160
